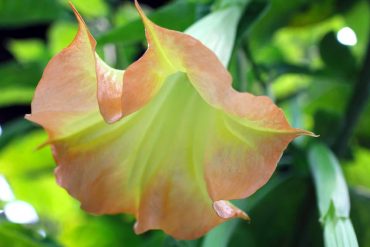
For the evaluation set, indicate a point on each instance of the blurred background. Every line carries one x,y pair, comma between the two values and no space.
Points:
311,57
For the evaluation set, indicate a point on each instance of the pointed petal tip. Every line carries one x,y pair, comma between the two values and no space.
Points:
306,133
139,9
138,229
227,210
113,119
74,10
81,23
141,13
71,4
76,13
42,145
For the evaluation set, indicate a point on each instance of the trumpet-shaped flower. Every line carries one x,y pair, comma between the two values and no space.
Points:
167,140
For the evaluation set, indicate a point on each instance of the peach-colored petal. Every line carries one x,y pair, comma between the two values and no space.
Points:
66,96
63,99
171,51
144,79
253,122
145,164
187,144
109,90
226,210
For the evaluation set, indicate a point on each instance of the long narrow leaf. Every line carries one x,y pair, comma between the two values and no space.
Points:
333,198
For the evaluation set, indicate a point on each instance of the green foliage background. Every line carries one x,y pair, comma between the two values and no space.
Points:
287,50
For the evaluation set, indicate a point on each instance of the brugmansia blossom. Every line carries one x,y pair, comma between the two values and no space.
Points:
168,140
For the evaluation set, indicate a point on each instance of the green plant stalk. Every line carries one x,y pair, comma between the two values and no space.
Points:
356,106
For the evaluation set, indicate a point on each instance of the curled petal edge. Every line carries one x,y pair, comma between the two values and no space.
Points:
122,93
175,51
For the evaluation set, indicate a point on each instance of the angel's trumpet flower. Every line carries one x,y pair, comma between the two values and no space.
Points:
168,140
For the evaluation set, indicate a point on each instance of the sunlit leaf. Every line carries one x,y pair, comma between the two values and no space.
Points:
60,34
357,171
288,84
34,169
14,235
90,8
30,50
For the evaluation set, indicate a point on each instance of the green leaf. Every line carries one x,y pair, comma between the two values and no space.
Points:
332,196
29,50
31,177
313,12
18,82
360,216
276,15
221,29
13,165
14,129
176,16
282,217
323,91
281,13
326,123
27,12
14,235
357,18
15,96
19,75
330,184
288,84
107,231
362,128
251,15
90,8
357,171
60,35
125,14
